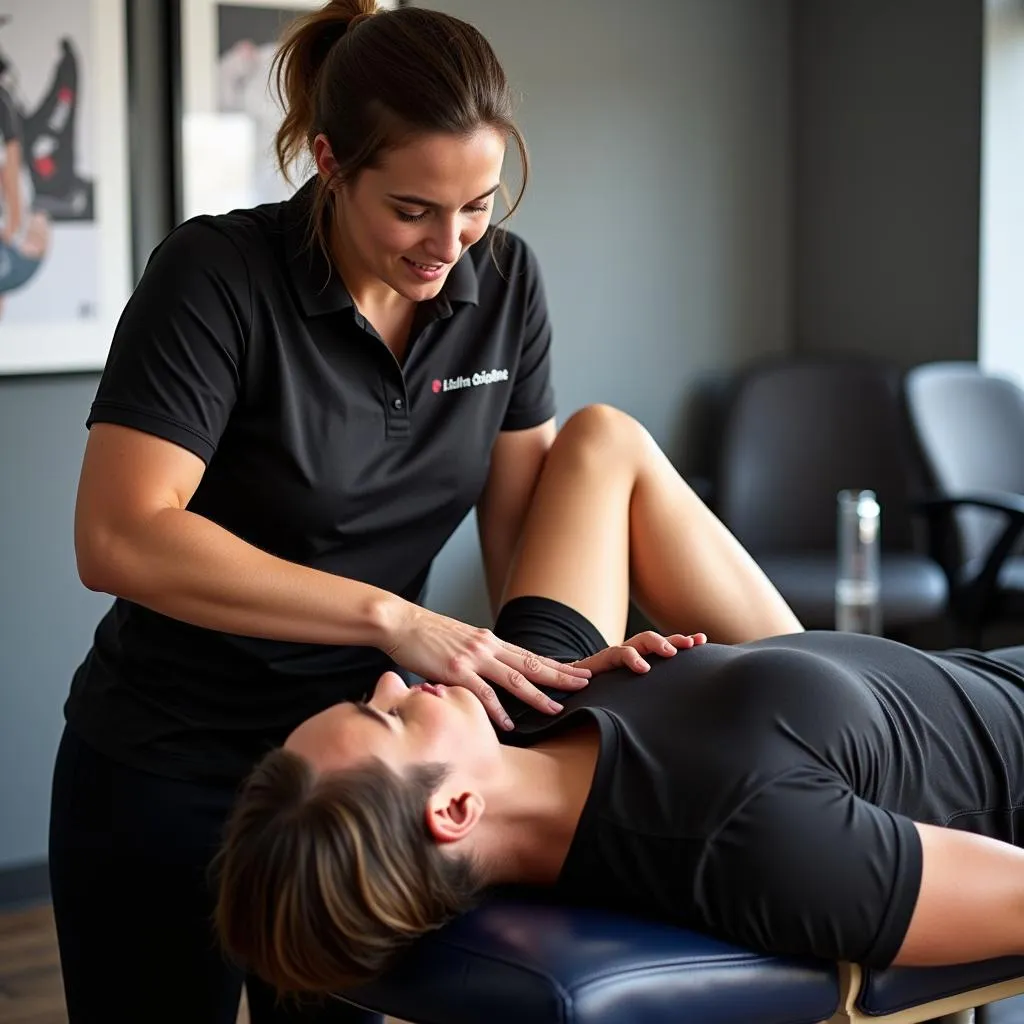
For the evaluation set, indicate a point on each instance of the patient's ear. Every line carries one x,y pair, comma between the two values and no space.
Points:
452,816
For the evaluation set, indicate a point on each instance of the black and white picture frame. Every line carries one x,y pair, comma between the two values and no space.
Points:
65,231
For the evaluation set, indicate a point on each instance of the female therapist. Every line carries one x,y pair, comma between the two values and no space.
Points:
301,403
281,442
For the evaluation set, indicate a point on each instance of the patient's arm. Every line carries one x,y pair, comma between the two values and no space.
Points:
971,902
807,867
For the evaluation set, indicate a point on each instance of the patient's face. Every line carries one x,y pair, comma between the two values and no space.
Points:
402,726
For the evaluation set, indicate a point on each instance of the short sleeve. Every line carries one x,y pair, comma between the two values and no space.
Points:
806,867
533,398
174,368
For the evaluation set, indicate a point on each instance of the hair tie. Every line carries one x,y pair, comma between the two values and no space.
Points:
358,20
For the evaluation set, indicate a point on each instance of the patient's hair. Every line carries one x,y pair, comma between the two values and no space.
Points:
324,880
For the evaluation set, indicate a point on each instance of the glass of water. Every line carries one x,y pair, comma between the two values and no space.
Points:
858,582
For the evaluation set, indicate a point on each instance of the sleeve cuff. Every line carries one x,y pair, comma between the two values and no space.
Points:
169,430
906,884
526,418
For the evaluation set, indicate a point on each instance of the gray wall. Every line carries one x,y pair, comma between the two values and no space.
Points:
659,207
887,114
658,204
46,616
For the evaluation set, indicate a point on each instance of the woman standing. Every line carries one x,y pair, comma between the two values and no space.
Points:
301,403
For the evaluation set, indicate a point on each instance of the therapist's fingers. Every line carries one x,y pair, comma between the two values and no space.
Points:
541,671
483,684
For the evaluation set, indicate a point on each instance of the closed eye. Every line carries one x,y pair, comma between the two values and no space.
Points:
367,709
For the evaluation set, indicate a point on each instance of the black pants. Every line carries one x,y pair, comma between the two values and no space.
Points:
128,871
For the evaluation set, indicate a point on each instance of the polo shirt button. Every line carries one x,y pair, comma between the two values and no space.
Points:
398,403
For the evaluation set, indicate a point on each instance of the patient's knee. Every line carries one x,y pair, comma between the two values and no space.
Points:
611,435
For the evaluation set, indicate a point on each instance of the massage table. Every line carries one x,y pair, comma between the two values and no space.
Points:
515,961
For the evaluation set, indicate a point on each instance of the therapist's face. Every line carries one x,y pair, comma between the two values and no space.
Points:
408,221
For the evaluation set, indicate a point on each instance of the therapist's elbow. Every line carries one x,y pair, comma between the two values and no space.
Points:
104,557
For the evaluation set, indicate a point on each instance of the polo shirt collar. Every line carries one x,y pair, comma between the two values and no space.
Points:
319,288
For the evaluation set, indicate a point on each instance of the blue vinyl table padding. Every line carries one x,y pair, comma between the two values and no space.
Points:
901,987
532,963
526,962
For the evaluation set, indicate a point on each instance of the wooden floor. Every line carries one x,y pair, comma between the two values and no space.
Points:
30,986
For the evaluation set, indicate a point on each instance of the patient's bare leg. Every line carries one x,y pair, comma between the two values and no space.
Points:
611,514
971,902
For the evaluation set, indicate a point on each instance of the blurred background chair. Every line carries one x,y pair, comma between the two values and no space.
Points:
795,433
970,428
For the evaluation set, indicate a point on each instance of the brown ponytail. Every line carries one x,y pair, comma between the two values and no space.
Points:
297,64
370,80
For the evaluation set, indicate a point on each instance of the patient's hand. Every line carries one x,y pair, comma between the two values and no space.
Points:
629,654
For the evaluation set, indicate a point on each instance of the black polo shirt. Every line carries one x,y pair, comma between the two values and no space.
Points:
242,346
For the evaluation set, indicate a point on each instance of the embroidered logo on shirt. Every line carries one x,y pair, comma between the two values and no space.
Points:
458,383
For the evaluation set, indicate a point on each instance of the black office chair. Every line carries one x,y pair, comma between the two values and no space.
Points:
795,433
970,428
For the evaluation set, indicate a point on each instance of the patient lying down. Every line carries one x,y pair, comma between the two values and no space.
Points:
783,790
783,794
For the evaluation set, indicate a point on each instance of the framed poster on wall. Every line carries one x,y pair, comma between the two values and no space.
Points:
229,111
65,233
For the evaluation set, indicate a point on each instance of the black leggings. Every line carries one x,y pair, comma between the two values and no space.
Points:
128,870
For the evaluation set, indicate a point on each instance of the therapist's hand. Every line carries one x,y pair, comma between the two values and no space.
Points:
630,653
445,650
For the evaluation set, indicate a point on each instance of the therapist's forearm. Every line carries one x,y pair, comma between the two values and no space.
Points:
185,566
